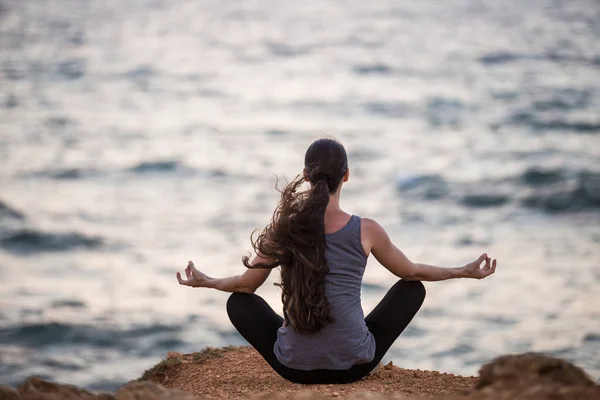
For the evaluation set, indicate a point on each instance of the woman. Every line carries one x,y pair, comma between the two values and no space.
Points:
322,251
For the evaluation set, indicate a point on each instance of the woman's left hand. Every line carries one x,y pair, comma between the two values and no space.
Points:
474,269
195,278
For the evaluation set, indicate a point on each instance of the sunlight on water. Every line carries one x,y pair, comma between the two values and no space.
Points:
137,135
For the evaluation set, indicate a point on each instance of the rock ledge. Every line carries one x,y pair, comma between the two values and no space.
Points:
240,372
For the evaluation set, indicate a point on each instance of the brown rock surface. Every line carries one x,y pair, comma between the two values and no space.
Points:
525,368
34,388
533,376
240,372
7,393
150,391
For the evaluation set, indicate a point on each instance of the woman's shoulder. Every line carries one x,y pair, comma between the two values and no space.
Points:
369,224
371,231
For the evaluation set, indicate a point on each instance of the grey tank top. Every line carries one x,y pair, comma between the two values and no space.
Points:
347,341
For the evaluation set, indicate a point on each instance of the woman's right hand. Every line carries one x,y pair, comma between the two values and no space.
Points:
474,269
195,278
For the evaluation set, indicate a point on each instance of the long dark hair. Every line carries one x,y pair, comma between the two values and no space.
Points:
295,237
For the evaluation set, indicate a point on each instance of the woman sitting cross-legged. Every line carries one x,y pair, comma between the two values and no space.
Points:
324,336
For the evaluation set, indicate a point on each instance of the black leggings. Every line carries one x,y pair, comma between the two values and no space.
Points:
258,324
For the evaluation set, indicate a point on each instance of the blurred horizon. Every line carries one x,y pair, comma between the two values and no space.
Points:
137,136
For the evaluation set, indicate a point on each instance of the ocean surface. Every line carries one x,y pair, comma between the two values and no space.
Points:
137,135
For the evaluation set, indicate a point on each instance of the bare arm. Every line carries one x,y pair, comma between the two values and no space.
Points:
394,260
247,282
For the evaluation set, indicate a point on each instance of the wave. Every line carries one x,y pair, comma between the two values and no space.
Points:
566,109
31,241
62,363
67,303
147,167
563,99
44,346
506,57
372,69
426,187
58,122
584,195
458,350
502,58
71,69
542,177
141,76
11,101
388,109
592,337
54,333
537,123
413,330
73,173
283,50
276,132
8,212
563,125
438,111
550,190
14,71
372,287
484,200
66,173
46,334
468,240
443,111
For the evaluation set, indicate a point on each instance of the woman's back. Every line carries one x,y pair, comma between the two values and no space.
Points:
347,341
325,337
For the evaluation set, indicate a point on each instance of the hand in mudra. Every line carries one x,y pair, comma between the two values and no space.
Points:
194,277
474,269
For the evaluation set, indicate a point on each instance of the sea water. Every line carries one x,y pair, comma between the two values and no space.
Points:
138,135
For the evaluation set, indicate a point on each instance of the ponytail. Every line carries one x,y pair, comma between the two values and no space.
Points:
295,238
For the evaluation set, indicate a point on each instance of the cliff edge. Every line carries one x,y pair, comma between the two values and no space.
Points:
240,372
